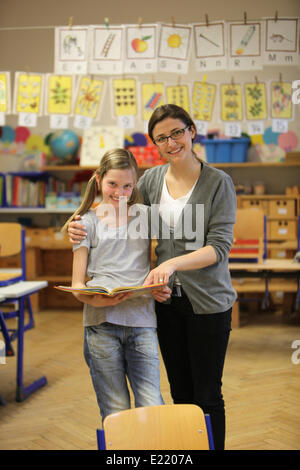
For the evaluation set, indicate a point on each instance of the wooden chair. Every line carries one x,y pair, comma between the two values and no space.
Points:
249,236
162,427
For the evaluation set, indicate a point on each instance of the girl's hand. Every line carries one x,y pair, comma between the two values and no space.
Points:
162,293
161,274
76,231
102,300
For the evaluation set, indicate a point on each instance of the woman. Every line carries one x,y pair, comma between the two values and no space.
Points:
196,205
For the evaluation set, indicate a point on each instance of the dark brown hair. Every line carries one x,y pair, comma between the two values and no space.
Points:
169,111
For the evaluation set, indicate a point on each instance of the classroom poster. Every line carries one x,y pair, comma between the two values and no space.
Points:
210,46
231,102
98,140
106,49
203,100
71,50
87,102
244,46
124,101
152,97
174,48
28,97
255,101
281,100
179,95
141,48
5,100
281,45
59,99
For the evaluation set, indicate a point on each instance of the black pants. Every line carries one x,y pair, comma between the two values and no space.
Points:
193,348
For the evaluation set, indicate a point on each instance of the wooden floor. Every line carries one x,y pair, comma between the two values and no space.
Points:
261,387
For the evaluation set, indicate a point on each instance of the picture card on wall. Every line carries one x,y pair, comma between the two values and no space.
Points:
281,100
98,140
71,50
231,102
244,46
256,101
203,100
124,97
179,95
141,48
106,49
5,97
59,94
210,46
281,45
174,48
88,97
152,97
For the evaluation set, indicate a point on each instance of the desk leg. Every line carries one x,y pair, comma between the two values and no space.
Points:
23,392
266,300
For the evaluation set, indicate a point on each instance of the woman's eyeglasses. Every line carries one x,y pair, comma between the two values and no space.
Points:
175,135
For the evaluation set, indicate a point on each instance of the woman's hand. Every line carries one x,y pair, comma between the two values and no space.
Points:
161,273
76,231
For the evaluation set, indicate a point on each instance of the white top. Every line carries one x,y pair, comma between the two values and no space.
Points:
170,209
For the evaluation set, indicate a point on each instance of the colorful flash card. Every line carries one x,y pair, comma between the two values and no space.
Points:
60,90
106,49
174,48
256,101
97,140
5,92
88,97
231,103
203,101
245,46
281,100
28,93
210,45
178,95
141,48
152,97
124,97
71,50
281,42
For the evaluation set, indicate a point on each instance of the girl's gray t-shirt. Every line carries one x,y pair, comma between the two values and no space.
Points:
119,257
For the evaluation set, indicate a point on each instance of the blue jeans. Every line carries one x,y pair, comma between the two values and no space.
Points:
115,353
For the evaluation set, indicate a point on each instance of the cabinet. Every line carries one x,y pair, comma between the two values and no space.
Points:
49,253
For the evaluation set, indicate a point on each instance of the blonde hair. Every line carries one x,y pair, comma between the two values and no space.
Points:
115,159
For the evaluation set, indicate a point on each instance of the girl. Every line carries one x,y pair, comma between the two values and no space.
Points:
120,332
193,326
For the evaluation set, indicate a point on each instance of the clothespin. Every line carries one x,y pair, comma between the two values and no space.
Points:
71,22
179,80
256,80
206,20
280,78
140,19
276,16
173,21
245,17
106,22
204,79
27,70
153,79
232,81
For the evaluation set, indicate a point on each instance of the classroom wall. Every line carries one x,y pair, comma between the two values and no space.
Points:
33,48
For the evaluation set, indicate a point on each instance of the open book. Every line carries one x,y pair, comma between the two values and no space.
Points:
99,290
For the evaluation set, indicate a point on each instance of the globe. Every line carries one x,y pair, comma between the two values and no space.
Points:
64,145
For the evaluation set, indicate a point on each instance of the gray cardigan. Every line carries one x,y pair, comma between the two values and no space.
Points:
212,208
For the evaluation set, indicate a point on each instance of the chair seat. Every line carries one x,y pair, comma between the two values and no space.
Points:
9,274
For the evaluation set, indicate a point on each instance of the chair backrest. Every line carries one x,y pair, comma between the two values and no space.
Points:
162,427
249,224
10,239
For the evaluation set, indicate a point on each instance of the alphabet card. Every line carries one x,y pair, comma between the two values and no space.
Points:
106,49
4,96
245,46
28,97
152,97
178,95
98,140
174,48
141,48
59,99
281,42
88,99
210,46
71,50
